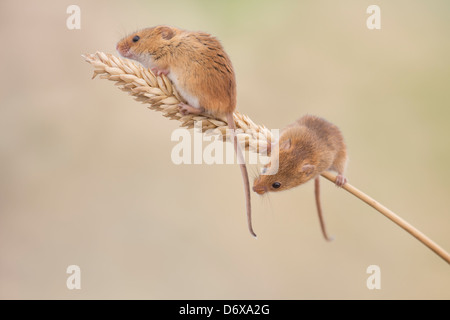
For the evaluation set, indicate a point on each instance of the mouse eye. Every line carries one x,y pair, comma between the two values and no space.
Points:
276,185
136,38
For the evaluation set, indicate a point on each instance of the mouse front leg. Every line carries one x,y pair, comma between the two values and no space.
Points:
339,166
340,180
159,72
186,109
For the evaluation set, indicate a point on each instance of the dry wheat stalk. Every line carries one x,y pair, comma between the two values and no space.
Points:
160,95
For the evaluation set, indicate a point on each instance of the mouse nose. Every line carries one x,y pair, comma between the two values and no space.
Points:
259,189
119,48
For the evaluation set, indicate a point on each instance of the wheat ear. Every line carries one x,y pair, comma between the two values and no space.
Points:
159,94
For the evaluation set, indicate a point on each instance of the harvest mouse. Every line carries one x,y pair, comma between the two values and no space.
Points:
201,71
307,148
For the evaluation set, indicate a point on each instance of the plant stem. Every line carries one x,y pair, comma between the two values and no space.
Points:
394,217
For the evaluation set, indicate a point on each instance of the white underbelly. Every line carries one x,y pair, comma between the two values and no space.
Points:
190,99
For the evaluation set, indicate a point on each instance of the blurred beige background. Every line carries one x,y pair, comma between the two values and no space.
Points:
86,176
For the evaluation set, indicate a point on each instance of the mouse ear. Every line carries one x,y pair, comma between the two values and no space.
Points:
285,145
167,33
308,169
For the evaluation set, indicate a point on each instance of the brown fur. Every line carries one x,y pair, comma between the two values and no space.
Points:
307,148
309,141
207,70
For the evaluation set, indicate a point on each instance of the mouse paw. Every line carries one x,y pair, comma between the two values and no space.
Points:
183,108
159,72
340,180
186,109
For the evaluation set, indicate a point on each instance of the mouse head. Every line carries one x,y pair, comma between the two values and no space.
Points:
290,166
147,45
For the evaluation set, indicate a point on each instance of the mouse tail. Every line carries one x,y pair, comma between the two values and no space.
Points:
319,209
244,172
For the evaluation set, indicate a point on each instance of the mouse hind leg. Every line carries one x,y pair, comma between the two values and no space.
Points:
339,165
186,109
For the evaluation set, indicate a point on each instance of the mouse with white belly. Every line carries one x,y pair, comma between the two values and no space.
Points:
306,148
201,71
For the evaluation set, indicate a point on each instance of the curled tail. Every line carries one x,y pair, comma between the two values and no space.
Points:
243,167
319,209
